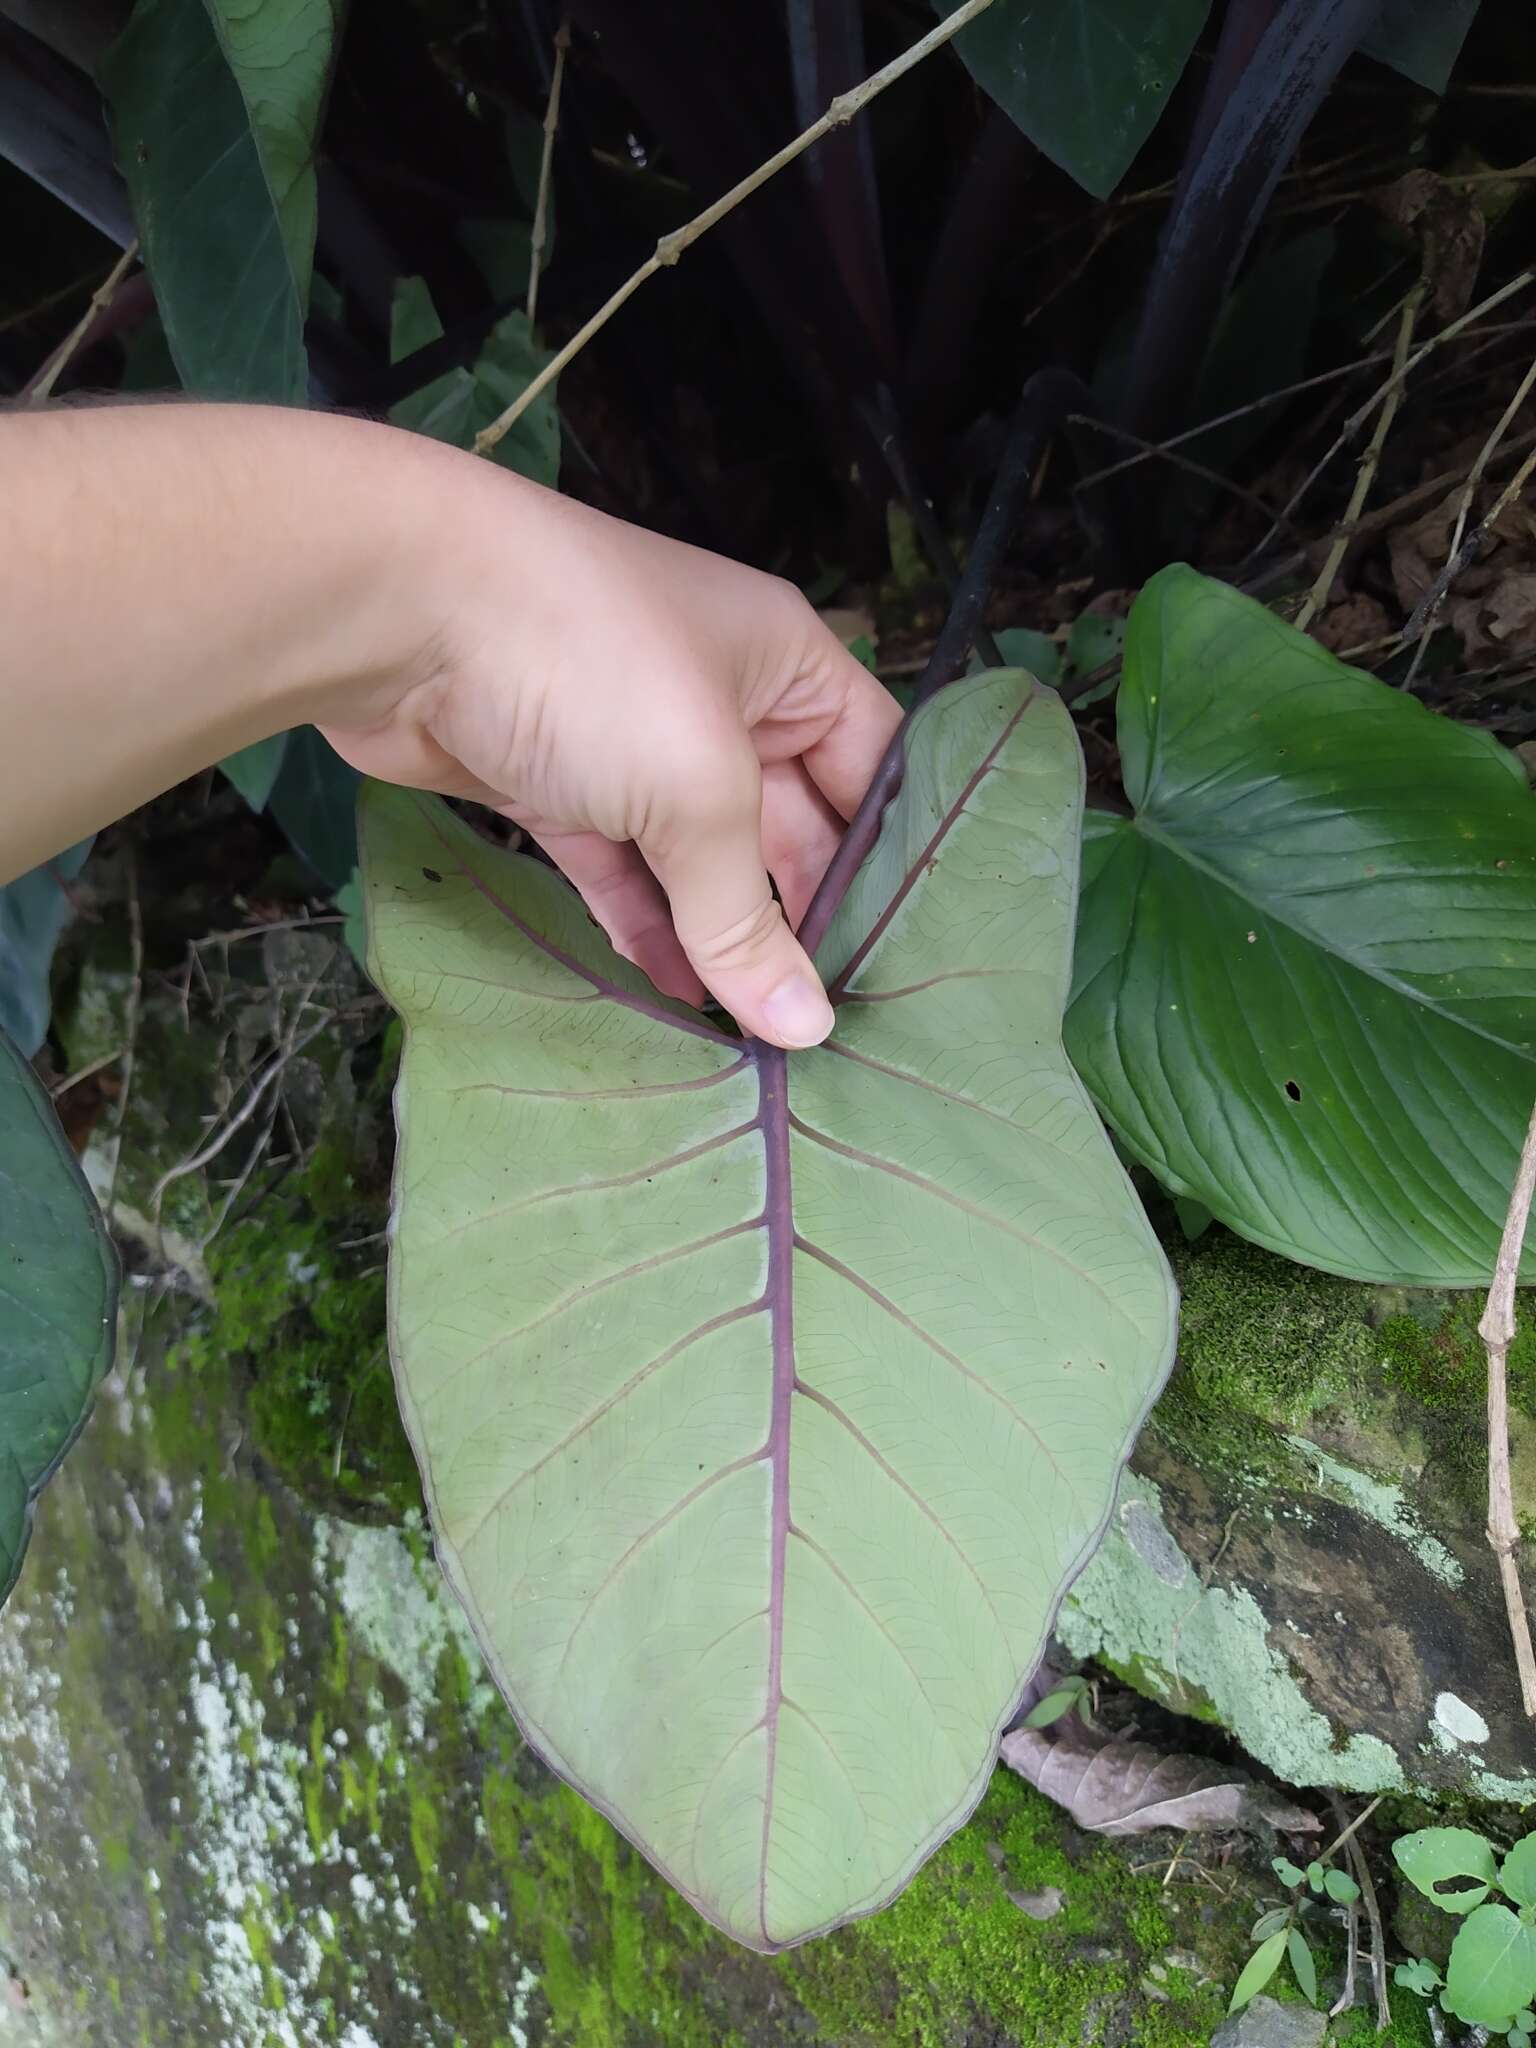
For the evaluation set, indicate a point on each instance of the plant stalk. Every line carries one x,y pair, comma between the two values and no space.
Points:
1497,1329
1046,401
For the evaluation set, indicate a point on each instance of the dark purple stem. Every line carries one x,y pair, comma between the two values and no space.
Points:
1227,184
1048,397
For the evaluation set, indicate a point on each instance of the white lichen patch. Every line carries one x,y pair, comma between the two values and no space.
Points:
400,1611
1386,1505
1215,1639
1455,1719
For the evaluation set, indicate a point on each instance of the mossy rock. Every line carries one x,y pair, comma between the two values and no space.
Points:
1299,1553
257,1790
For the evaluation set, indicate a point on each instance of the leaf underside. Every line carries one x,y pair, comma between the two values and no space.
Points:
767,1406
1306,967
58,1297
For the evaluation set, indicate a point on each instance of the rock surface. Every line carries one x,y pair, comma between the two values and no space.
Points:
1298,1551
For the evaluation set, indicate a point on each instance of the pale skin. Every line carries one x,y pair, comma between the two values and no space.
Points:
673,728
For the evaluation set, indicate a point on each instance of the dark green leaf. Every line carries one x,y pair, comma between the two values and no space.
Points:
255,769
1421,38
1302,1966
1340,1887
314,800
455,406
1260,346
1257,1971
215,112
1084,79
1022,647
1435,1857
1492,1971
34,909
1095,638
58,1301
1194,1217
1305,967
1517,1873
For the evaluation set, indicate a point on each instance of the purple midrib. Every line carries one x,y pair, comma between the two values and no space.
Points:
779,1221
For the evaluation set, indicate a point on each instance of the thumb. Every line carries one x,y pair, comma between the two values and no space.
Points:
710,862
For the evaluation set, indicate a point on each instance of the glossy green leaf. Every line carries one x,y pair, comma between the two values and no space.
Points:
1459,1858
1306,967
58,1301
215,112
1421,38
1517,1873
766,1404
1492,1971
255,769
455,406
1084,79
1258,1970
34,910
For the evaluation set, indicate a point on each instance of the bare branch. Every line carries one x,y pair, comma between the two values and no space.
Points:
1497,1330
670,247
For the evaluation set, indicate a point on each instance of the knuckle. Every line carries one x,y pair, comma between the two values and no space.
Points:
742,943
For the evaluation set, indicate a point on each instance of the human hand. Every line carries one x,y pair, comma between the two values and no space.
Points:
672,728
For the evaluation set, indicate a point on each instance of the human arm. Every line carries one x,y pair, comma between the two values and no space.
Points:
180,581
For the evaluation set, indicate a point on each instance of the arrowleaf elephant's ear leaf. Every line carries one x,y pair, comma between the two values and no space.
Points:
767,1405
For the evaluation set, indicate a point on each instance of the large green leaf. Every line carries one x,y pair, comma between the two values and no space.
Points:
216,105
1306,967
766,1405
1084,79
58,1301
1453,1866
1421,38
1492,1970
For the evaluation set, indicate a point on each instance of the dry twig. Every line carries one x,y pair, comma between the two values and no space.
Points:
671,247
40,388
1464,546
1497,1330
1362,413
1370,462
546,168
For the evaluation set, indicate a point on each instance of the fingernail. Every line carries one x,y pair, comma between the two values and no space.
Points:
799,1011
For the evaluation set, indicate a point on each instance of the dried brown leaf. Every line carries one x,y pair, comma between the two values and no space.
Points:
1450,230
1117,1787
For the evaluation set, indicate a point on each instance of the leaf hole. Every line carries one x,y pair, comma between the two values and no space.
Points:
1293,1089
430,875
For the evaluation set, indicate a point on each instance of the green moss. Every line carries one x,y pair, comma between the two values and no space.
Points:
1260,1336
299,1314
